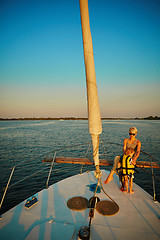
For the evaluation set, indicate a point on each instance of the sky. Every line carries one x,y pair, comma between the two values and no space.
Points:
42,72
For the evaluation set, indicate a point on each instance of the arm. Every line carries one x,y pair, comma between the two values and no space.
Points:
124,145
136,155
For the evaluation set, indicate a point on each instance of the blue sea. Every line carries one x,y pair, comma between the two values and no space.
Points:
24,144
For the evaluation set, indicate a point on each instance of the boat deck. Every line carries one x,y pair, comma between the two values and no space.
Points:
50,218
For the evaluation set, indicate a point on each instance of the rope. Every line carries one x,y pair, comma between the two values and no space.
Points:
91,212
85,157
99,180
96,187
106,193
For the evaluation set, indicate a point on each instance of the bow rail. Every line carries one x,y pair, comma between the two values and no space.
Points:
87,159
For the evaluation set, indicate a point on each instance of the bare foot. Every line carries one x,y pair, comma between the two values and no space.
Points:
110,177
122,189
132,191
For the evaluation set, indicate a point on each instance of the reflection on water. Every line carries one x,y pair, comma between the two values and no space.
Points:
25,140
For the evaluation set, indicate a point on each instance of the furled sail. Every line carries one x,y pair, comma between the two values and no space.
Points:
94,116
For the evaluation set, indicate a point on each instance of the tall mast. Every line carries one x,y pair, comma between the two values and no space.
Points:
94,116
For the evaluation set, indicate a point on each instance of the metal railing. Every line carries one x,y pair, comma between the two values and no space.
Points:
151,158
152,172
103,143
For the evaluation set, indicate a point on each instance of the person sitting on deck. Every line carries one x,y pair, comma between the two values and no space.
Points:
127,170
131,142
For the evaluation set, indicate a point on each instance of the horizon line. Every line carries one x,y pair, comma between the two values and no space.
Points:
80,118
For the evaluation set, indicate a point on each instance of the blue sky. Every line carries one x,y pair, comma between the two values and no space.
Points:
41,58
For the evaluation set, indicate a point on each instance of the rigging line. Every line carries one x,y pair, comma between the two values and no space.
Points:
112,143
140,151
105,154
18,164
85,157
42,155
150,173
106,193
28,177
71,146
150,155
88,149
96,187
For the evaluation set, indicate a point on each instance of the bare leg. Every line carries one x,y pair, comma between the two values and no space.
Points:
131,185
122,187
125,183
109,178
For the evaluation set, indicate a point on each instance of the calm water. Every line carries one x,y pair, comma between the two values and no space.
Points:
26,140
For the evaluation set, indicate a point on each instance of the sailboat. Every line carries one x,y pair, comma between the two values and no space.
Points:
81,206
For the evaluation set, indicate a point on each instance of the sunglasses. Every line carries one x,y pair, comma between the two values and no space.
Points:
132,134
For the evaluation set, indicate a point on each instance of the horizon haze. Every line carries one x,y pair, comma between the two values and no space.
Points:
42,72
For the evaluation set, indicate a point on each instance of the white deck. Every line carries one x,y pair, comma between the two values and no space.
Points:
50,218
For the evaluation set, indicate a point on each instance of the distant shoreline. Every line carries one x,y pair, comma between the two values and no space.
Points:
76,118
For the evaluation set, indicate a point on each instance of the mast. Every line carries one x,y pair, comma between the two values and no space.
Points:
94,116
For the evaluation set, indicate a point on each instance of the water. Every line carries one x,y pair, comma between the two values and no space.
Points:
25,140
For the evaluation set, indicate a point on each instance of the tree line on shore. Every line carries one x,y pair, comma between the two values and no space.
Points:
79,118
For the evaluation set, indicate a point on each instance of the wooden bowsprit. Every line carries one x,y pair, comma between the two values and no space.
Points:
102,162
